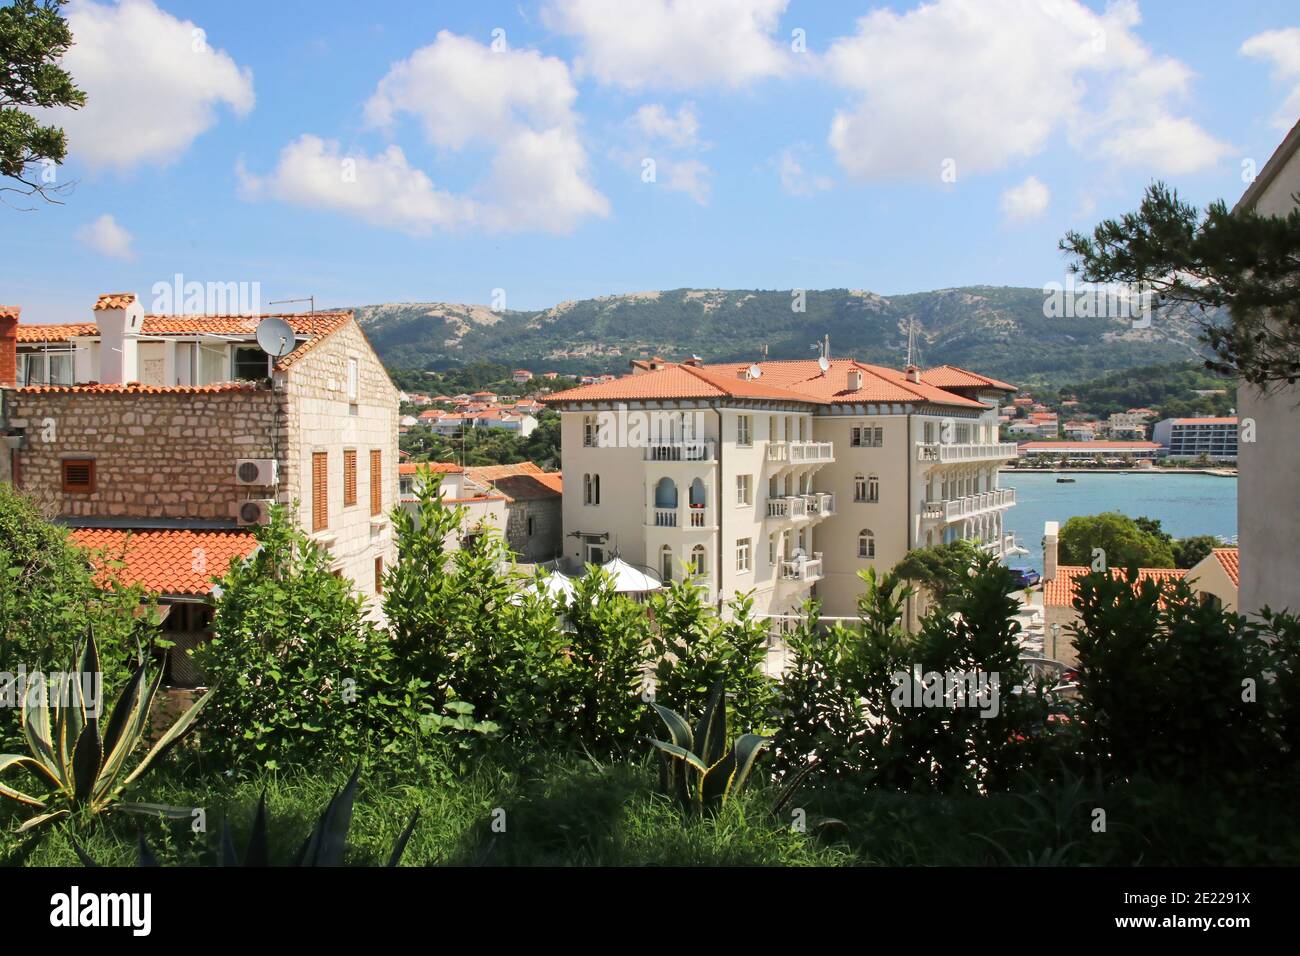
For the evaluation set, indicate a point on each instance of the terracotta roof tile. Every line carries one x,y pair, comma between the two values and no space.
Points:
434,467
171,561
1230,558
135,388
1060,591
10,311
493,472
114,300
950,376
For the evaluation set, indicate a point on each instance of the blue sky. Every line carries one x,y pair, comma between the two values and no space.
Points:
371,153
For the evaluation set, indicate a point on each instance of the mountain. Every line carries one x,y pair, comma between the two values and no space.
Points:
1000,331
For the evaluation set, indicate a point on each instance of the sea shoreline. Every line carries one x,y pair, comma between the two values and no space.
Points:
1216,472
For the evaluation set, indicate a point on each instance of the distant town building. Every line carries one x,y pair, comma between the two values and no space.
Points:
1090,449
1215,438
521,375
534,507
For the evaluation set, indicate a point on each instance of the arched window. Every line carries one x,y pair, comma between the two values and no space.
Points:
666,493
866,544
698,565
697,499
666,563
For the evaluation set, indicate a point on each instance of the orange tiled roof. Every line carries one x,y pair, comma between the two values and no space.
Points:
526,487
316,326
10,311
435,467
1060,591
1230,558
114,300
1230,420
950,376
171,561
799,380
493,472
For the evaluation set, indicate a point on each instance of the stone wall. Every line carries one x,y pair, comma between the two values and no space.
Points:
157,455
545,543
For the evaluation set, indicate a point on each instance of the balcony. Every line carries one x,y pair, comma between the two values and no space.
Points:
820,504
699,450
803,570
790,508
965,451
969,505
700,518
811,452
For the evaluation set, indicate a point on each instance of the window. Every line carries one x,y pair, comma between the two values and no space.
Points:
354,380
868,437
591,489
743,547
698,560
666,563
530,526
379,575
79,476
320,491
376,481
859,487
744,489
744,430
250,364
866,544
595,553
349,477
589,431
873,488
771,549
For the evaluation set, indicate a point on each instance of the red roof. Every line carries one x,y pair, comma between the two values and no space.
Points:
1093,446
950,376
801,381
135,388
1230,558
172,561
493,472
435,467
1060,591
114,300
1206,421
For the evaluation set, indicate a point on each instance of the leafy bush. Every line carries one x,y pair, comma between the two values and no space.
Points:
1127,543
48,599
308,679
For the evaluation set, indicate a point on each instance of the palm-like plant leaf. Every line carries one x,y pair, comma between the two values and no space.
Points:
20,760
711,733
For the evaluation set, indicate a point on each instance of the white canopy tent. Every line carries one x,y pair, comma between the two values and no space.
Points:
629,579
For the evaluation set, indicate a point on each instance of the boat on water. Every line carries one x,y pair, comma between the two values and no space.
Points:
1064,480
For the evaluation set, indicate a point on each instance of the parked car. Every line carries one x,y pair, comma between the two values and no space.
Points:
1025,577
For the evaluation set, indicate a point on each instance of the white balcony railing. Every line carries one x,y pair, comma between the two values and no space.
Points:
803,452
965,451
791,507
802,569
697,450
689,517
665,517
820,504
968,505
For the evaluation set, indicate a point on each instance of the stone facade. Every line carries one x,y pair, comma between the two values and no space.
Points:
534,528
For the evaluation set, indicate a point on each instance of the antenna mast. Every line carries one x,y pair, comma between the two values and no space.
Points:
911,338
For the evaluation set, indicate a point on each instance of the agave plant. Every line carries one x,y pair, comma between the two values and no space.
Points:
697,767
81,768
326,846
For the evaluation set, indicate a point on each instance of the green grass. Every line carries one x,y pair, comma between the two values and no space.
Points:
563,810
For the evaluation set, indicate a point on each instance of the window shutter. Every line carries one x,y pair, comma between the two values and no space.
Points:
349,477
320,519
79,475
376,481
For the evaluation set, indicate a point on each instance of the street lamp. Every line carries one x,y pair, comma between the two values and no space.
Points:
1056,632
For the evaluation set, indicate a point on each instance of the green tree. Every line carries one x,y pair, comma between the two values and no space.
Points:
1189,552
938,569
1244,261
1124,542
49,597
33,36
307,678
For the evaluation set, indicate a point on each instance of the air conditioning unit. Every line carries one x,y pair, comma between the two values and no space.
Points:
256,471
253,511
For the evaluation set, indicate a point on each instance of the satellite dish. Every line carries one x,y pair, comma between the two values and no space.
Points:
755,372
823,363
275,337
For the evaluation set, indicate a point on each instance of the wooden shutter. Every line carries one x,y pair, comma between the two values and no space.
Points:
79,475
349,477
320,499
376,481
379,575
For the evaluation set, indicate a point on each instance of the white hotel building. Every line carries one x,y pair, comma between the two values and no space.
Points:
786,484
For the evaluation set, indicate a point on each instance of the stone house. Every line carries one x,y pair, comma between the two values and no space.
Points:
534,507
171,425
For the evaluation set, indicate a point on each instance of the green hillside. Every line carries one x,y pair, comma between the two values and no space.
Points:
998,330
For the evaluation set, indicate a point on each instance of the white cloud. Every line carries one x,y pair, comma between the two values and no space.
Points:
688,176
1281,48
655,123
106,237
986,83
516,103
794,179
383,190
152,82
675,44
1026,201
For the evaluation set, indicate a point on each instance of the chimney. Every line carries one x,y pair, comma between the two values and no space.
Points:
1050,533
9,344
913,374
119,317
855,379
693,360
